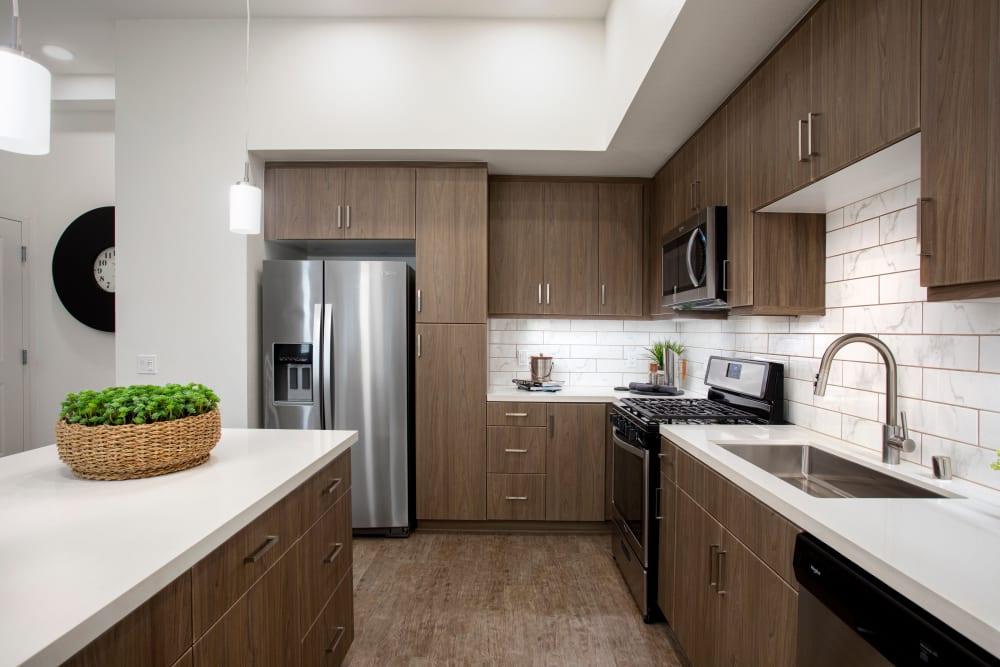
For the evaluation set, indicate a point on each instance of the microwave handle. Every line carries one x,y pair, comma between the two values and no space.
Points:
690,266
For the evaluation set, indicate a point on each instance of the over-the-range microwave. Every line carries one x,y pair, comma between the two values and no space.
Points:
694,262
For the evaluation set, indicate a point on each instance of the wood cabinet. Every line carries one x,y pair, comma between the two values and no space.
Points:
317,201
251,602
697,618
574,465
738,276
450,447
516,497
566,248
960,149
451,245
665,586
619,216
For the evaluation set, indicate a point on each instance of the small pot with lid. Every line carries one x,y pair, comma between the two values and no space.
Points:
541,368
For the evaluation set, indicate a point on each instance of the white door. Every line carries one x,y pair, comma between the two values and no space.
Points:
11,370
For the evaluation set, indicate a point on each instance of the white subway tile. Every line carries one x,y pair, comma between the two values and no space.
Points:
968,462
871,377
800,391
502,325
502,364
623,338
574,365
570,338
544,325
805,368
962,318
596,325
652,326
945,421
750,342
901,287
798,345
880,204
834,268
834,219
620,366
717,341
851,401
854,237
891,258
810,417
503,350
956,352
596,351
888,318
911,191
699,326
898,225
547,350
989,430
853,352
516,337
862,432
989,354
500,379
831,322
596,379
974,390
857,292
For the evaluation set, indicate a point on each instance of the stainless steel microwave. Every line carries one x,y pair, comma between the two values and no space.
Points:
694,262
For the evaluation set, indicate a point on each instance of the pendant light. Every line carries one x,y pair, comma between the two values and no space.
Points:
26,104
244,196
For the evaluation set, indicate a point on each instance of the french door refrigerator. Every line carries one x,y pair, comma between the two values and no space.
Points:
337,354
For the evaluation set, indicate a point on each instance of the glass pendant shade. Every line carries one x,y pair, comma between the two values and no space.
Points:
244,208
26,104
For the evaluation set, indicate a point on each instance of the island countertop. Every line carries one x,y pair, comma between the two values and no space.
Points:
77,556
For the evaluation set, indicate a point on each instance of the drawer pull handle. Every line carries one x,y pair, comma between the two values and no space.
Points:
515,414
337,547
340,635
332,487
267,546
517,497
516,451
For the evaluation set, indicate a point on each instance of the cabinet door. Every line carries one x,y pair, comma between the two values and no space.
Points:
738,269
451,245
303,203
451,421
759,610
571,256
710,173
960,142
574,462
780,102
668,547
517,243
684,189
228,641
274,636
866,78
659,224
697,612
619,213
379,203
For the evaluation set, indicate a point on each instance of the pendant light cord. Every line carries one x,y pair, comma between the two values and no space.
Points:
246,100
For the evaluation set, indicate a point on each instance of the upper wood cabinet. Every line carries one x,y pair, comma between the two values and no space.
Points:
451,245
317,202
738,275
711,178
566,248
574,462
960,149
450,445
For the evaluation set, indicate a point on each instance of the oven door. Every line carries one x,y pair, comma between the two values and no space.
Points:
629,493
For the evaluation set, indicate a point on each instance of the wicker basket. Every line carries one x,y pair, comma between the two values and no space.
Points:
138,450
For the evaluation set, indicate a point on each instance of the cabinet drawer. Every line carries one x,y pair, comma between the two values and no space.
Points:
221,577
515,449
324,488
515,497
324,556
515,414
330,638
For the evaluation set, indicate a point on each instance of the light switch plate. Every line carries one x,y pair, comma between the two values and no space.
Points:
145,364
523,358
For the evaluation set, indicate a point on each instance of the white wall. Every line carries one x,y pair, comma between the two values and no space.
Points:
47,193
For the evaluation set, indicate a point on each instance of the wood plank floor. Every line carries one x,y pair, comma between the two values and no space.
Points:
462,599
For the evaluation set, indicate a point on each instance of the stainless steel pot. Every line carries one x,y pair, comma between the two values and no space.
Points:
541,368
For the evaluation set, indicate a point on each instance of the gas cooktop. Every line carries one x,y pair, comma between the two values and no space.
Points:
687,410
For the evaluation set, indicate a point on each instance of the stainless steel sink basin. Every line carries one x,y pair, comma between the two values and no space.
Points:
824,475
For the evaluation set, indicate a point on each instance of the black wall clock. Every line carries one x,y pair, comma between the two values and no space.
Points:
83,268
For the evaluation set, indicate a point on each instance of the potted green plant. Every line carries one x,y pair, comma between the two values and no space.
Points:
679,363
656,352
137,431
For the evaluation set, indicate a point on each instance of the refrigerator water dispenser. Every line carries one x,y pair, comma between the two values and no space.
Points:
293,369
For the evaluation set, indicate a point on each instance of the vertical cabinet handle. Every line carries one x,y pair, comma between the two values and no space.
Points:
539,293
420,301
659,503
713,580
798,131
725,275
603,292
721,584
348,216
809,148
920,227
547,294
419,348
339,225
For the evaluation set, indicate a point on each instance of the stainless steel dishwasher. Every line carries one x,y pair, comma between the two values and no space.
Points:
848,617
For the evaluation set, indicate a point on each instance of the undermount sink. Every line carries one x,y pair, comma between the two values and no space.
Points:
824,475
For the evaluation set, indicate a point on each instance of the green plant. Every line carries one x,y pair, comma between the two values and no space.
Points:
657,352
675,347
137,404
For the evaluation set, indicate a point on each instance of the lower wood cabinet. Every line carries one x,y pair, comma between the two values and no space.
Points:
515,497
665,583
259,598
574,462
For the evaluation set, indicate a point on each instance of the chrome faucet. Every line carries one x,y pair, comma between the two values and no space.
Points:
895,437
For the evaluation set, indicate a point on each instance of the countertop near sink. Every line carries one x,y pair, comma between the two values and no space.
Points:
76,556
943,554
571,394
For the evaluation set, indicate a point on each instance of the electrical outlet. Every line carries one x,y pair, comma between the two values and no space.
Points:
630,359
145,364
523,358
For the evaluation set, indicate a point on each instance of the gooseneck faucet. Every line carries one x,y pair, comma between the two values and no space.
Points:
895,437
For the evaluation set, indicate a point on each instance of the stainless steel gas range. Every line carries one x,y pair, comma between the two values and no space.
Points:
740,391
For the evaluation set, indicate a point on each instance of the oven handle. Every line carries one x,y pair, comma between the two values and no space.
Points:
632,449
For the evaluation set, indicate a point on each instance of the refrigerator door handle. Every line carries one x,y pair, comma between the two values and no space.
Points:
317,344
327,395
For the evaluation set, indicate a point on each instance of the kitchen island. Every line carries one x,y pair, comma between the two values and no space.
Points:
78,556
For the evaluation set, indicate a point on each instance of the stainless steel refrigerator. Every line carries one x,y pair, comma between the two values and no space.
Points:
337,355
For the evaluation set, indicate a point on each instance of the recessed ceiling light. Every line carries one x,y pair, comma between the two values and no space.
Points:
57,52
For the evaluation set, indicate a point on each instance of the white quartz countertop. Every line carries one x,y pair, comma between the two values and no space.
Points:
568,394
77,556
943,554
